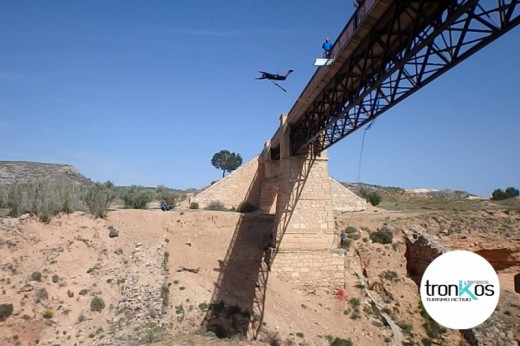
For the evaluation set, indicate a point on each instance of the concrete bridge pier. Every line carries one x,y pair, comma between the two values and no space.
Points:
306,241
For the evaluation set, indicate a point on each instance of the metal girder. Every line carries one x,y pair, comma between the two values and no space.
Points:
415,43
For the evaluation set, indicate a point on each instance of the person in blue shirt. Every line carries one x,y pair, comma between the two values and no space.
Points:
165,206
342,237
327,48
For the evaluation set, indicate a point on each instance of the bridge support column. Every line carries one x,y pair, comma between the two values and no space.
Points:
306,242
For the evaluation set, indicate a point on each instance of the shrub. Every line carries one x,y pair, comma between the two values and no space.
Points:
137,197
352,233
405,327
48,313
354,302
194,205
389,275
98,199
246,207
346,243
3,197
371,196
433,329
426,342
341,342
97,304
5,311
168,195
15,200
216,205
382,236
44,199
36,276
165,294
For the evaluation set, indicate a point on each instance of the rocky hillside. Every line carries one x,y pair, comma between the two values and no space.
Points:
21,171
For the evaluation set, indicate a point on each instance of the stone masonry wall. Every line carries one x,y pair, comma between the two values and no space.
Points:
304,215
232,189
316,268
345,200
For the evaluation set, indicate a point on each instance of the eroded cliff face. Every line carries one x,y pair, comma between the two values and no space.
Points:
500,329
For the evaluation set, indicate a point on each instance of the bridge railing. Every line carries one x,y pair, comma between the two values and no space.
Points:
340,43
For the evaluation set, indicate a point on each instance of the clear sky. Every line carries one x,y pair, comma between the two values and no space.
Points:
145,92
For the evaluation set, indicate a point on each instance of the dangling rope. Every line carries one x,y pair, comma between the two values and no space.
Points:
278,85
361,153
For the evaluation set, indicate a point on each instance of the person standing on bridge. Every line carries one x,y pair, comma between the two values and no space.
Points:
327,48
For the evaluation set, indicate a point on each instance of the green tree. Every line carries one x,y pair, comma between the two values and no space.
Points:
226,161
499,195
511,192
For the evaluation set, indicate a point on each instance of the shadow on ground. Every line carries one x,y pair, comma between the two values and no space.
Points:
237,303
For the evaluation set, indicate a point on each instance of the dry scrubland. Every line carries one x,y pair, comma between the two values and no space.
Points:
185,276
146,276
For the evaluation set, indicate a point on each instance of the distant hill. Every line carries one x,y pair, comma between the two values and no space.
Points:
12,172
396,198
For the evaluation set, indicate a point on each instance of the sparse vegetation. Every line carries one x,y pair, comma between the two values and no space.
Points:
194,205
370,195
389,275
165,294
405,327
48,313
36,276
42,198
352,233
137,197
246,207
97,304
216,205
433,329
168,195
341,342
179,309
382,236
5,311
98,198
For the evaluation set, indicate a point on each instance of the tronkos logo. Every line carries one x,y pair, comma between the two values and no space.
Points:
460,289
466,290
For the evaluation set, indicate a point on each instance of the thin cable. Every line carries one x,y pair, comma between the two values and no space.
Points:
362,147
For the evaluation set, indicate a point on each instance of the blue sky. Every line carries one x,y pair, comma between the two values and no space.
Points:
146,92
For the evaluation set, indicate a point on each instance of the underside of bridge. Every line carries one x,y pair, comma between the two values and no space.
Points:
387,51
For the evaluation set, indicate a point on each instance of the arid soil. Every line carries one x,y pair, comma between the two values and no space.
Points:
146,276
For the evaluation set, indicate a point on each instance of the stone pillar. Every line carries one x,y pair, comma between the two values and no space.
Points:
305,231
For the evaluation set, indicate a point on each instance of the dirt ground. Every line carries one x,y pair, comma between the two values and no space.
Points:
158,277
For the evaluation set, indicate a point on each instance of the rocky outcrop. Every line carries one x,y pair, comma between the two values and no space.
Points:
12,172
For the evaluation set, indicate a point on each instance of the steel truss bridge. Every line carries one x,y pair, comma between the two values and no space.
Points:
386,52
